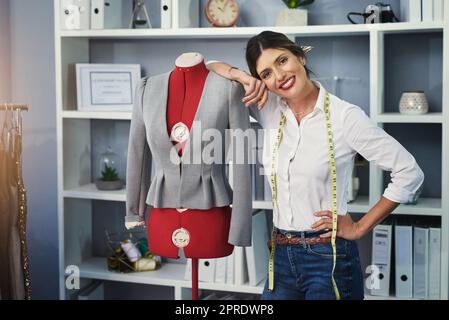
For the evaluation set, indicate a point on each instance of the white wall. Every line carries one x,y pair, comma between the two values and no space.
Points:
32,70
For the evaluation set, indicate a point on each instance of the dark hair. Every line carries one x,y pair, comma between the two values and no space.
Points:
270,40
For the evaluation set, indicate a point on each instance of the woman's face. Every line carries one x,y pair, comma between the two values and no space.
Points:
282,72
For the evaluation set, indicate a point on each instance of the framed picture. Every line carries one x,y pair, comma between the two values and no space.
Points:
106,87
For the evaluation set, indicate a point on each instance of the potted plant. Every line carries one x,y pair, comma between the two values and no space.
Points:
109,179
294,15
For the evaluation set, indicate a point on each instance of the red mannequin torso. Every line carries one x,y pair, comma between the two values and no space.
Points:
208,229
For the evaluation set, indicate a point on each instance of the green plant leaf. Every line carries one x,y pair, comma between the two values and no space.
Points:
293,4
109,174
304,3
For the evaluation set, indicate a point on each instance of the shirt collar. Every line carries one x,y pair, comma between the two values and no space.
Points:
319,105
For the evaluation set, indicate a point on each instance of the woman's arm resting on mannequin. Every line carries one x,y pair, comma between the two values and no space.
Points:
256,92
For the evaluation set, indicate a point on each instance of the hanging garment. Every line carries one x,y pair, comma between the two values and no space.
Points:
184,183
14,271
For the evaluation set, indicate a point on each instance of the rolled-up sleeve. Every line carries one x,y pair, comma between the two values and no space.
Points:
377,146
138,171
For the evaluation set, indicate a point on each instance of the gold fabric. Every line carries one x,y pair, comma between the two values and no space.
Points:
14,265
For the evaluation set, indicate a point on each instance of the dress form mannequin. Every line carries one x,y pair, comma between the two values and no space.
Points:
165,224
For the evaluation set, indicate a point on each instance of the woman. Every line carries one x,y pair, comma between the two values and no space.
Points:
295,107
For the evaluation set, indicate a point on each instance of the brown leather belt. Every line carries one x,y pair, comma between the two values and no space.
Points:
284,240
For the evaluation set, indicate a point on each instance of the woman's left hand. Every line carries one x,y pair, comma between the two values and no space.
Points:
346,227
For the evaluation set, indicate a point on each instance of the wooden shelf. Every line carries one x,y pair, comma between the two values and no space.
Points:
246,32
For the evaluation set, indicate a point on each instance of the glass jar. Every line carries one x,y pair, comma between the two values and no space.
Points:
107,165
108,178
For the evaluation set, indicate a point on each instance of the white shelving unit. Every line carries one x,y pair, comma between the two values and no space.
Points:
75,188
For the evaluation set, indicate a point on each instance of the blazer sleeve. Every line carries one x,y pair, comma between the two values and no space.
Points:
241,220
138,169
375,145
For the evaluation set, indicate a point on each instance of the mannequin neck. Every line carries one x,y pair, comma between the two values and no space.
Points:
189,59
196,69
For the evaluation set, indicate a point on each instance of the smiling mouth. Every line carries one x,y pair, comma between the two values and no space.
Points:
287,84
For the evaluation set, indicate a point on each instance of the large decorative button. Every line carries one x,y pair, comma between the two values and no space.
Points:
180,238
179,132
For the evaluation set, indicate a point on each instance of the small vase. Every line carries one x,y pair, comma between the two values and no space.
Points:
413,102
291,17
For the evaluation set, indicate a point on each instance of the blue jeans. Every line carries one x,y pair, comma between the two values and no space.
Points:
305,272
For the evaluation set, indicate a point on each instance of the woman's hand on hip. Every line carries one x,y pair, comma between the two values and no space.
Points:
346,227
255,89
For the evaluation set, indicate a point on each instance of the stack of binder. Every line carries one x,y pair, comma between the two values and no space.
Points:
407,258
245,266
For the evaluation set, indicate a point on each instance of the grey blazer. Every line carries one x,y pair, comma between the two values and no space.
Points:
188,185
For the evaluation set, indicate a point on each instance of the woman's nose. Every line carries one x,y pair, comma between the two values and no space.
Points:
280,76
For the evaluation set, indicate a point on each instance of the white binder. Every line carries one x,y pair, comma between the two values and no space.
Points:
381,258
240,270
230,268
189,13
75,15
421,263
427,10
188,270
206,270
113,11
97,14
404,261
220,270
434,263
166,13
438,10
411,10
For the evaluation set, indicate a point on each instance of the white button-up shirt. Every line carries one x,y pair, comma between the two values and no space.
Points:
303,174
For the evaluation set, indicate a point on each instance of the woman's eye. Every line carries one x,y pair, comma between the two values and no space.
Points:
265,75
283,60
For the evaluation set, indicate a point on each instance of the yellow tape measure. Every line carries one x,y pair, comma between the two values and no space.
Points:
274,197
333,172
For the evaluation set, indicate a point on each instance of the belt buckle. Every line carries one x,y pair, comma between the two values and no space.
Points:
181,237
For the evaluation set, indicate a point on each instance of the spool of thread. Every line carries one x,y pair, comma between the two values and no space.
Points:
143,246
131,251
145,264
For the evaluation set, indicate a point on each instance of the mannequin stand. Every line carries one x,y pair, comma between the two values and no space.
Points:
194,278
